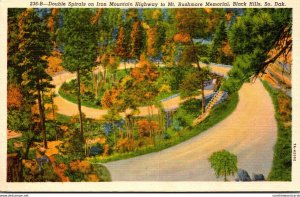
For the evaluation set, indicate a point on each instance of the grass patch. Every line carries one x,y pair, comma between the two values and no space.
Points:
73,99
218,114
282,159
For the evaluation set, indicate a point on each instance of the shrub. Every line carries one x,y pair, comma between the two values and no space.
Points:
224,163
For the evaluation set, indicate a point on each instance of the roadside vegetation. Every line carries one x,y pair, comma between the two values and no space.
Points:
282,160
92,44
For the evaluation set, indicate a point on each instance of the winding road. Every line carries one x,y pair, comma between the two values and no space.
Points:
68,108
249,132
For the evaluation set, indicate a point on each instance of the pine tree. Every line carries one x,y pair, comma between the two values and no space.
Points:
34,47
79,41
252,37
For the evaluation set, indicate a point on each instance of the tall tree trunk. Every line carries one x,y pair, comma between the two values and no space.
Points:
79,103
199,68
42,114
53,114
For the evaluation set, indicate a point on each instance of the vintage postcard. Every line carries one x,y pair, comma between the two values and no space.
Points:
170,96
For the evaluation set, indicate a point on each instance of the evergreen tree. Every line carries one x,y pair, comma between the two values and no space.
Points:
252,37
34,47
219,39
193,24
79,41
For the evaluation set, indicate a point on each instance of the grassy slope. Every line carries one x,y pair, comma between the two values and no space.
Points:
281,168
217,115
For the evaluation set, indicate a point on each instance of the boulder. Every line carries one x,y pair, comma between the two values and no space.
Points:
258,177
243,175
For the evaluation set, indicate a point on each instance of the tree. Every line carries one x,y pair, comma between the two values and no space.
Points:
13,71
122,45
252,37
155,30
193,24
224,163
34,47
137,40
78,38
219,41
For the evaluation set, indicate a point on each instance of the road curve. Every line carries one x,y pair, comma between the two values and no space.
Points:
68,108
249,132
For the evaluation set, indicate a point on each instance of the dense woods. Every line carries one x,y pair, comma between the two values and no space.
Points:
125,61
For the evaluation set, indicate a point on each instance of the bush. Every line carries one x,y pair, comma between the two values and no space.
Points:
74,145
35,173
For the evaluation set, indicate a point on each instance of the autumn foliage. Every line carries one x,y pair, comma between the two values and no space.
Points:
111,98
14,97
146,127
182,38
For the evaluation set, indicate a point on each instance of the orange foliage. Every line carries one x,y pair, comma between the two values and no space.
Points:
82,166
111,98
30,165
59,169
97,16
64,128
227,49
124,145
208,10
228,16
35,109
151,41
85,167
51,20
54,63
144,71
14,97
74,165
105,149
121,46
51,24
93,178
146,127
182,38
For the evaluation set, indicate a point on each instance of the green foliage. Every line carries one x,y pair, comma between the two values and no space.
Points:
89,99
18,120
13,72
252,37
74,145
219,40
282,159
65,159
68,92
186,114
193,82
43,173
101,172
224,163
75,176
78,38
218,114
